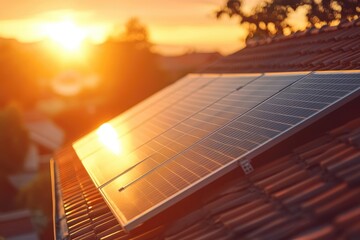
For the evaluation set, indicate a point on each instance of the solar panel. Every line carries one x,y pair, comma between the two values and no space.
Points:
140,141
123,125
206,133
226,96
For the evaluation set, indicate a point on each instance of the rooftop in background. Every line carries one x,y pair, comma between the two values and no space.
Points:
17,225
43,131
328,48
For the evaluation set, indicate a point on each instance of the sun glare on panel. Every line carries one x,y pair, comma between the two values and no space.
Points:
109,138
66,33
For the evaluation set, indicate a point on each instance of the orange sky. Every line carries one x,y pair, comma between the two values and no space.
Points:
174,26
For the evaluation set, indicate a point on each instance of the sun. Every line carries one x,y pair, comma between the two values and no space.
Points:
66,33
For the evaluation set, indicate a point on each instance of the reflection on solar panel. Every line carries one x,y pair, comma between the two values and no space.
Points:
198,130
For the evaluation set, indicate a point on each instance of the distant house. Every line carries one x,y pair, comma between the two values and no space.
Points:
258,145
45,138
7,203
17,225
44,132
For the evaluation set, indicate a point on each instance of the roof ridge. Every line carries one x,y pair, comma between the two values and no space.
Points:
310,31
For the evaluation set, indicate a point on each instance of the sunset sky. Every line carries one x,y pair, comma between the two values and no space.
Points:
174,26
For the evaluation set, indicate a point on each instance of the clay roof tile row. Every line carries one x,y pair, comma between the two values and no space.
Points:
328,48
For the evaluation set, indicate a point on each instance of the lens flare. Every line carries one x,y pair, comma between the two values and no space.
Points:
109,138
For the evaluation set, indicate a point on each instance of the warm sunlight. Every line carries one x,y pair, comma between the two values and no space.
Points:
109,138
66,33
68,25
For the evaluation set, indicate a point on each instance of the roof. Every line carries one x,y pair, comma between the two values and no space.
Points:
7,203
307,194
43,131
315,49
17,225
312,191
307,186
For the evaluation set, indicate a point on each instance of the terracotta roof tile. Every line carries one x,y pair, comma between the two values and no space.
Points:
320,232
317,188
354,231
338,204
331,193
316,49
348,217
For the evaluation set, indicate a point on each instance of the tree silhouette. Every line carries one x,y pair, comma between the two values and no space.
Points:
128,65
269,18
18,73
135,34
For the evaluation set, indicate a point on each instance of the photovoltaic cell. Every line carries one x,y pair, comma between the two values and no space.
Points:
216,137
141,141
199,125
144,111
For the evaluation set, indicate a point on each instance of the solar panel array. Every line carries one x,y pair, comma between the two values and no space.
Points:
198,129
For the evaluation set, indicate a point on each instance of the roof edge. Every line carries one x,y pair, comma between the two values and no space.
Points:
59,221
